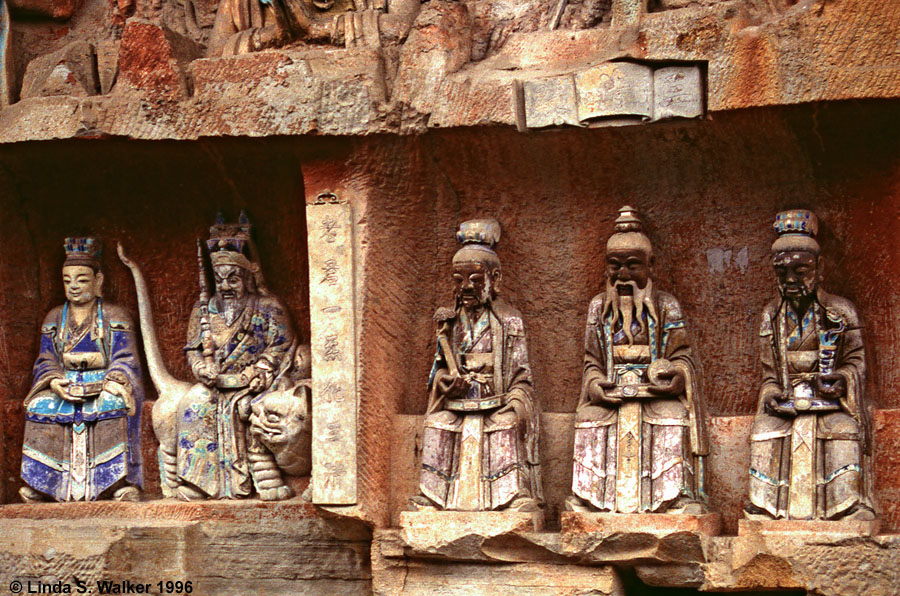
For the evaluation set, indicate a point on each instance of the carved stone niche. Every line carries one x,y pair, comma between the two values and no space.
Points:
279,547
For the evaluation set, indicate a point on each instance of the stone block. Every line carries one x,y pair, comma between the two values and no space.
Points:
221,547
396,572
71,71
464,535
438,45
823,557
635,538
153,60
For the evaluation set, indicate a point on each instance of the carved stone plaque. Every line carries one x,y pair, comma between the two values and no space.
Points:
550,102
678,92
615,89
333,330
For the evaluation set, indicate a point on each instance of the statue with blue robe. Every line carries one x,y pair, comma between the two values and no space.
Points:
82,414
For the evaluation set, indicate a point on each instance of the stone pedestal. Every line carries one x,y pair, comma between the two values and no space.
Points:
483,553
622,536
463,535
665,549
808,531
222,547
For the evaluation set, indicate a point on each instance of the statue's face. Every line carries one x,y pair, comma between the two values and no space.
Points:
797,273
628,266
231,281
81,283
475,284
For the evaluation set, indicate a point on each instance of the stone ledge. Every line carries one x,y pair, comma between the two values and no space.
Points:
242,511
809,531
265,551
655,524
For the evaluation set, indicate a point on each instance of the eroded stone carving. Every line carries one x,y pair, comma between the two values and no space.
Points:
214,434
811,439
480,441
82,414
244,26
640,431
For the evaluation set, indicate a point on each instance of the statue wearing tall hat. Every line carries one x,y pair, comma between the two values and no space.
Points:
811,439
480,441
640,430
82,414
241,346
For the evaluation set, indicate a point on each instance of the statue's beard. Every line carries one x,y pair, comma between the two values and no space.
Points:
483,299
626,307
232,307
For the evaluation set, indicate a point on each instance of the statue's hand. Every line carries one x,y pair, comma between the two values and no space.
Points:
58,386
831,385
206,374
269,37
451,385
672,384
597,393
772,399
128,262
244,407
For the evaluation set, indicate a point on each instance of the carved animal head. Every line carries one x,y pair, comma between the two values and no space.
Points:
278,418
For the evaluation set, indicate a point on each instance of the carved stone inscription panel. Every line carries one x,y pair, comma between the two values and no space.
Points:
331,280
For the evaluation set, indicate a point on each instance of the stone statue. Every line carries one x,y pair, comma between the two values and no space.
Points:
241,347
811,437
480,441
82,415
244,26
640,430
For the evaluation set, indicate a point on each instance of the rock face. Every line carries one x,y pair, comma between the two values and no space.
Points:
460,65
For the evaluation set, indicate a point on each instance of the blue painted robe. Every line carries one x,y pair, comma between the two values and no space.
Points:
108,424
212,437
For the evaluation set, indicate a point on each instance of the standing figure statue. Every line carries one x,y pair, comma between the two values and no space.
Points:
640,429
82,415
480,442
810,440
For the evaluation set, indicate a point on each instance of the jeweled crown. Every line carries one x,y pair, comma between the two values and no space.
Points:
797,221
82,251
230,237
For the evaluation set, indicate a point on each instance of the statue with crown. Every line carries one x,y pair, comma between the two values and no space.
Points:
480,439
810,444
244,422
640,429
82,414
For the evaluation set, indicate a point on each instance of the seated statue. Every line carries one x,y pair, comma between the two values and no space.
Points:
480,442
82,415
640,430
244,26
810,441
245,421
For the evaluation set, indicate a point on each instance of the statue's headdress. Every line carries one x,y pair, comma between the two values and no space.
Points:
797,231
478,238
231,244
83,251
629,234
